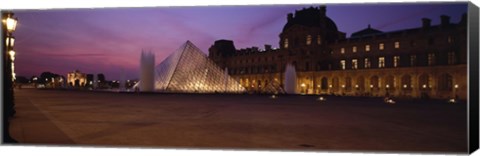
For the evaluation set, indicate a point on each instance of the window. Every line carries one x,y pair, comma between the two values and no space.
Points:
319,40
367,63
381,62
451,57
367,47
342,64
354,49
381,46
397,45
413,60
285,43
354,64
396,61
309,39
431,59
342,50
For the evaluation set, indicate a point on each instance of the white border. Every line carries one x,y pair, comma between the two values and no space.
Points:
82,151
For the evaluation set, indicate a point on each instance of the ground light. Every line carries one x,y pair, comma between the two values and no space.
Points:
321,98
452,101
273,96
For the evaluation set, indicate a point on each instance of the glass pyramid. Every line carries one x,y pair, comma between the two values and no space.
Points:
189,70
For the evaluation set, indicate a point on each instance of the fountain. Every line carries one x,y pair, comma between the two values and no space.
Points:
95,82
147,67
122,81
290,81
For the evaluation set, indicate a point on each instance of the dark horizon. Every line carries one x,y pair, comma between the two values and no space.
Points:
110,40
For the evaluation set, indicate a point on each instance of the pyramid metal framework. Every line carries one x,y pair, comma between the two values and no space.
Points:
189,70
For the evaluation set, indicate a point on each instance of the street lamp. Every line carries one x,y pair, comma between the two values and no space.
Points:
9,25
10,41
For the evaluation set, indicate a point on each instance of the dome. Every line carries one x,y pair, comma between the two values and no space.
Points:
312,17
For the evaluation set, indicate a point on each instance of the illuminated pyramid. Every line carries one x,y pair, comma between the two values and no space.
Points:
189,70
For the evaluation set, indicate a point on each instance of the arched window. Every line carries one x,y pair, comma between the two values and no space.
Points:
360,83
406,82
348,83
285,43
324,83
445,82
309,39
424,82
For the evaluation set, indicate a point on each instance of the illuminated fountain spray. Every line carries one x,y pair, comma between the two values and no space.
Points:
147,66
122,81
290,81
95,81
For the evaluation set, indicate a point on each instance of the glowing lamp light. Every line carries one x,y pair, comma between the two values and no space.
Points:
330,86
12,54
404,86
321,98
343,86
371,86
303,85
388,86
452,101
10,41
273,96
424,86
356,86
456,86
318,86
11,23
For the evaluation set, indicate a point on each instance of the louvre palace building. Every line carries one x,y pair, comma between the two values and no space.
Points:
429,61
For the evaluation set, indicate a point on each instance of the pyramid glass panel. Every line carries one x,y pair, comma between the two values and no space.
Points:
189,70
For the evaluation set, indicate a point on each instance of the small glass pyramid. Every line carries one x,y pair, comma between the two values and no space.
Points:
189,70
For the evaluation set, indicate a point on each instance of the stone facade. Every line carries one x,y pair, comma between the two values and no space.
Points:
428,61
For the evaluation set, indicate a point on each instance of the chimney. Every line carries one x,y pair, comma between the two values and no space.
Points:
323,10
445,20
289,17
426,23
268,47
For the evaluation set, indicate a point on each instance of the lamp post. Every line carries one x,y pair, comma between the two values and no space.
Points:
9,25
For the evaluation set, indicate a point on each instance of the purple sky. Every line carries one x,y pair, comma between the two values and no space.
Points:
109,41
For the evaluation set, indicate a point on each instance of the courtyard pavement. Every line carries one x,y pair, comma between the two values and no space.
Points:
251,122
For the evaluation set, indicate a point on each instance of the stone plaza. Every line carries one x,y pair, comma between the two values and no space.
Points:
237,121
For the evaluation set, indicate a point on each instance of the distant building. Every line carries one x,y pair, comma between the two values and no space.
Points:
76,79
428,61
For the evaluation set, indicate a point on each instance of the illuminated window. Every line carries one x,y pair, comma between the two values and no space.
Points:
285,43
367,47
451,57
354,64
354,49
342,50
319,40
381,46
342,64
396,61
309,39
397,45
431,59
413,60
381,62
367,63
